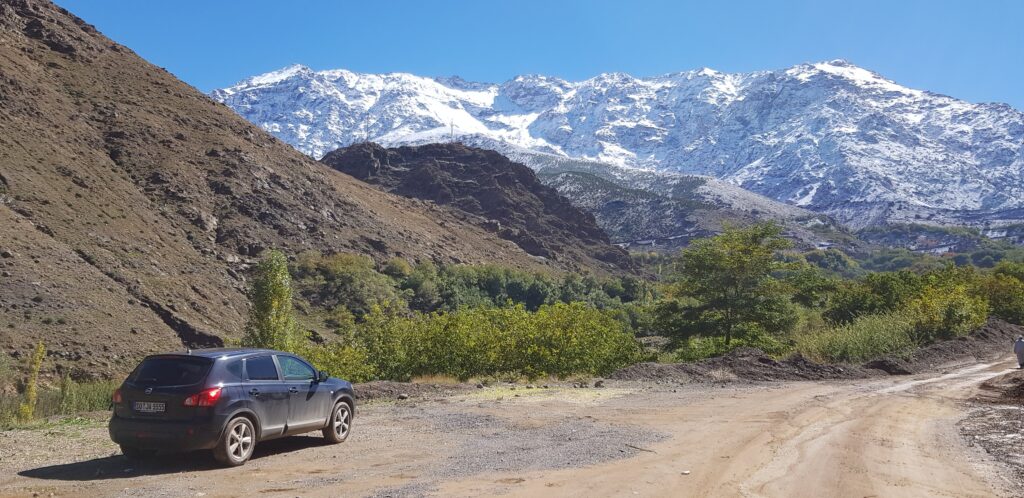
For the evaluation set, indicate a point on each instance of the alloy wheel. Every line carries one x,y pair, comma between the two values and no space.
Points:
240,441
342,420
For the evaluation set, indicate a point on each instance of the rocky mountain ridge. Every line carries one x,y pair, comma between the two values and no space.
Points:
830,137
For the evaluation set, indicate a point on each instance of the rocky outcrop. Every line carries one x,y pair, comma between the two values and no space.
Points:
504,196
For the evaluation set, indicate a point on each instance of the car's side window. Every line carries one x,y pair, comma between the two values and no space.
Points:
234,369
295,369
261,368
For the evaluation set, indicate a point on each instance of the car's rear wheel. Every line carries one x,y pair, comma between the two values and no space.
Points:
237,443
133,453
340,424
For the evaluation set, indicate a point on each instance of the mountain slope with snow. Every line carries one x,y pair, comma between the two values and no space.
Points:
830,137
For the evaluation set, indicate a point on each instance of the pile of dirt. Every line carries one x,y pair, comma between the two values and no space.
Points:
991,341
747,364
500,195
1008,388
132,205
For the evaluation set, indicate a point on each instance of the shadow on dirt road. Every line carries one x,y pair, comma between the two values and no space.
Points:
119,467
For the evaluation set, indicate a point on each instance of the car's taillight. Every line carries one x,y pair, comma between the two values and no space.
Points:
208,397
117,396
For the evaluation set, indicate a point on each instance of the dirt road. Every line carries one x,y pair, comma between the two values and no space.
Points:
887,437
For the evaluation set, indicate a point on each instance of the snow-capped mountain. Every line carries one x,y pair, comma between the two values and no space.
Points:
831,137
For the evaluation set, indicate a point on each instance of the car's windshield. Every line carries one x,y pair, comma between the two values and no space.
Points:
171,371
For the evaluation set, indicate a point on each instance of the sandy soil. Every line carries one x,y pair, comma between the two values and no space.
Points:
870,437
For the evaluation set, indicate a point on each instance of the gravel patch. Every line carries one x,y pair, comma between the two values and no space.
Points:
521,438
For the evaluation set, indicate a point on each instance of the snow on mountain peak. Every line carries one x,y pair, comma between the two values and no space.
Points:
280,75
830,136
841,69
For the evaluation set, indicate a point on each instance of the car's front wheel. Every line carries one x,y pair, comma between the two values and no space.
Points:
237,443
340,424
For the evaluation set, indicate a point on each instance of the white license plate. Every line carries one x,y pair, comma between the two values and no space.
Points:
149,407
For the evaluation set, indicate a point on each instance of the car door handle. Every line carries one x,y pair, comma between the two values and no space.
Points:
293,390
254,392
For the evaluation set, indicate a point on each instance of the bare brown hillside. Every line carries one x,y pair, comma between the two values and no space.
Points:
504,196
131,204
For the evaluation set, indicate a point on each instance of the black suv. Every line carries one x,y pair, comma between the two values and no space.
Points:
226,400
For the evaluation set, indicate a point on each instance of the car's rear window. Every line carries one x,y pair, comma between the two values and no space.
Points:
172,371
261,368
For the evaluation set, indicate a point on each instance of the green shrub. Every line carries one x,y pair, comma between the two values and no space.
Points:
875,293
698,348
559,339
832,260
74,397
1005,296
1010,269
576,339
865,338
346,361
70,399
946,311
342,279
397,268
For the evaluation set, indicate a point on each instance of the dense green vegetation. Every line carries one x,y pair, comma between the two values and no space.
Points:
824,305
401,321
744,287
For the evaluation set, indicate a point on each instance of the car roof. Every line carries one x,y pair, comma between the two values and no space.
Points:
215,353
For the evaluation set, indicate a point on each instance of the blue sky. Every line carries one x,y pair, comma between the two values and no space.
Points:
972,50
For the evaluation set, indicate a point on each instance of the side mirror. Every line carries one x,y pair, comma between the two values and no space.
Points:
322,376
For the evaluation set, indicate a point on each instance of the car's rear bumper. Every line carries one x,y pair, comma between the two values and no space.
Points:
164,435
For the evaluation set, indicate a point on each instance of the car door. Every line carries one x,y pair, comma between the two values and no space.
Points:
309,402
268,394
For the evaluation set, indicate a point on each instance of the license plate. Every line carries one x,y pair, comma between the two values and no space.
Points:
149,406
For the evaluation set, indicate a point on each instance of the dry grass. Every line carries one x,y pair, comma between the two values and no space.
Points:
441,379
722,375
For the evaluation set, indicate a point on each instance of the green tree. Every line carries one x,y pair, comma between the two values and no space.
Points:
945,312
1010,269
1006,297
349,280
875,293
832,260
27,409
811,287
730,274
271,322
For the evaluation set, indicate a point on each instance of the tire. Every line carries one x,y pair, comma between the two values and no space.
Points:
237,443
133,453
339,426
